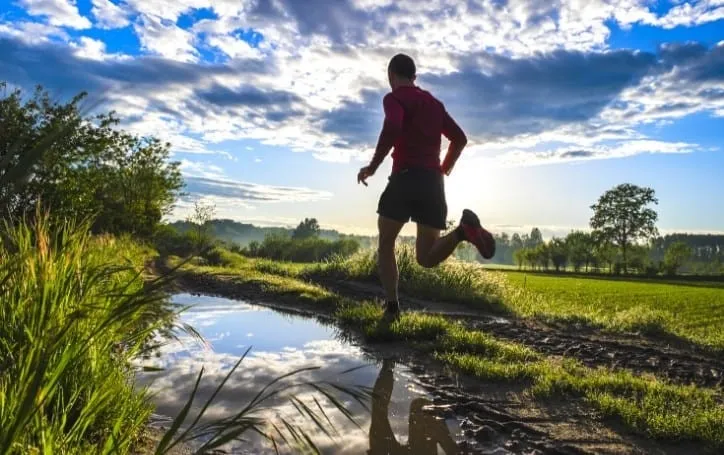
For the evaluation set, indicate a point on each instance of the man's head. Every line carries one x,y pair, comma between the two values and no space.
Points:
401,71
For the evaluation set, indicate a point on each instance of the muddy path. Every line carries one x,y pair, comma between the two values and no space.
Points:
677,363
660,357
502,419
495,418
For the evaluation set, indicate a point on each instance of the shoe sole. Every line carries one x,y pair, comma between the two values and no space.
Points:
485,243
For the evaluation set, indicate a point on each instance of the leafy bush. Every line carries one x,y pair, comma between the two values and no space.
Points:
311,249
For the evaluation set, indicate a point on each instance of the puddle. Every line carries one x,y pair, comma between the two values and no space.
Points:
280,344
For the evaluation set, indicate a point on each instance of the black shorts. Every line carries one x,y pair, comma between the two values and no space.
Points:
415,194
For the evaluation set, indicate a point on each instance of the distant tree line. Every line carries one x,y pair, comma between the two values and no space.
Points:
579,251
623,239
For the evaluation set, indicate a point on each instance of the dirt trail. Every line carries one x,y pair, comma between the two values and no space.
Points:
638,354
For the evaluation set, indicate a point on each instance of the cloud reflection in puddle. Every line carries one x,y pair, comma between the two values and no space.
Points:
281,345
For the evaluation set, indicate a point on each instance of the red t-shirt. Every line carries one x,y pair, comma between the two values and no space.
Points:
413,125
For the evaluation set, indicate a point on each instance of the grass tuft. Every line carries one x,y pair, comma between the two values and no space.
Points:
73,312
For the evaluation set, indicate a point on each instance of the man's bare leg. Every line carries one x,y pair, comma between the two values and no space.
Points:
431,249
388,229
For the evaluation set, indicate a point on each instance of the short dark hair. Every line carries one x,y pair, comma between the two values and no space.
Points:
403,65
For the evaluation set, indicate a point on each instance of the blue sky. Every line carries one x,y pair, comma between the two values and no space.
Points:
273,105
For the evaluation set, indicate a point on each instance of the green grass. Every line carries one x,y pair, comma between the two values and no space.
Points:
694,311
453,280
691,312
652,408
73,312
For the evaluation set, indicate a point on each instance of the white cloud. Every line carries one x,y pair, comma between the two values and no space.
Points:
166,39
59,12
688,14
568,154
199,169
348,45
234,47
32,32
93,49
90,48
109,15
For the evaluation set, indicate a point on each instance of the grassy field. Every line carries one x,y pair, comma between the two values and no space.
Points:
647,405
692,310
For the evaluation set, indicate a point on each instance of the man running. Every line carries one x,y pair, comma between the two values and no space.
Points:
413,125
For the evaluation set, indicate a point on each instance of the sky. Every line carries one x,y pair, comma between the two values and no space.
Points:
272,106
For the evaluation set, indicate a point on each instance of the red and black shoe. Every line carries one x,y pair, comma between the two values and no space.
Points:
471,230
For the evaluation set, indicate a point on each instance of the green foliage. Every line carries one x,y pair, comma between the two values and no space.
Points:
707,252
558,252
453,280
581,249
621,217
690,312
304,249
168,241
307,229
80,167
200,219
676,255
77,318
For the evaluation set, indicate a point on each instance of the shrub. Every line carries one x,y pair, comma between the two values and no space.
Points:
311,249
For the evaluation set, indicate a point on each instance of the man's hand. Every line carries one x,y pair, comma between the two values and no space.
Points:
364,174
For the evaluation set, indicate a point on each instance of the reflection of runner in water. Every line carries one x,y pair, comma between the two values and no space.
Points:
425,430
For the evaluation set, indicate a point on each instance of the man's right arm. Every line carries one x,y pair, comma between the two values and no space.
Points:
458,140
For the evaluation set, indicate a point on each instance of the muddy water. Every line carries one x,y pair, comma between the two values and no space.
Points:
396,421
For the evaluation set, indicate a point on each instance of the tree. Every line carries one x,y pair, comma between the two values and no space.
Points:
605,254
542,255
201,218
639,258
558,253
81,166
520,257
676,255
516,243
580,249
535,238
621,216
306,229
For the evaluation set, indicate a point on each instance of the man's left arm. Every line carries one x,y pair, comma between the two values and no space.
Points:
391,129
